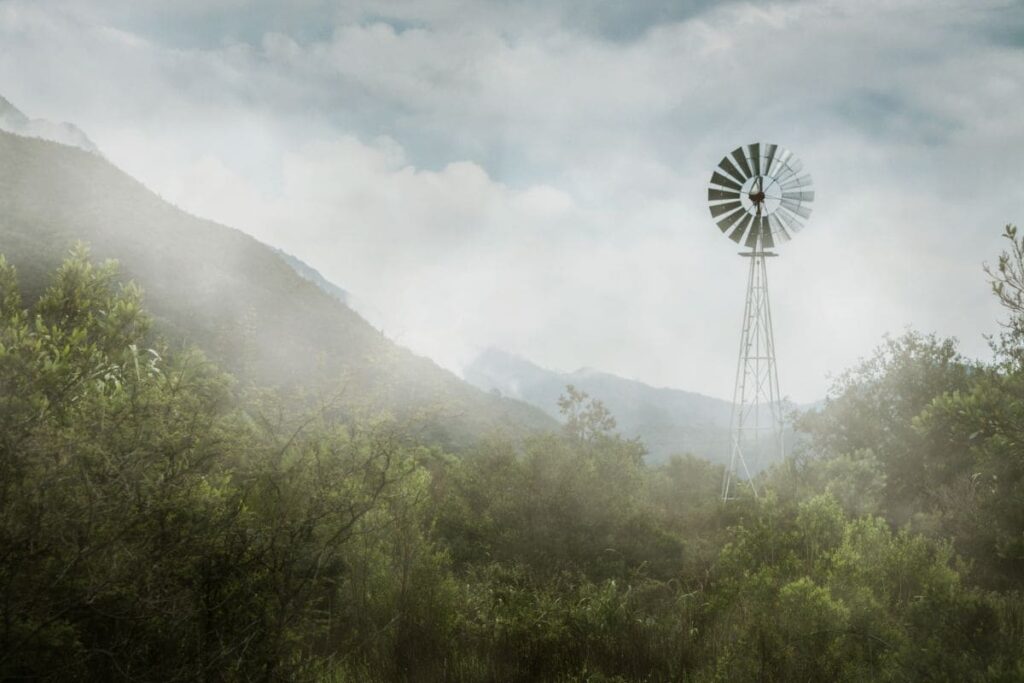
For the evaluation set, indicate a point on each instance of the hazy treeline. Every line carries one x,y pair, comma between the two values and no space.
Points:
160,521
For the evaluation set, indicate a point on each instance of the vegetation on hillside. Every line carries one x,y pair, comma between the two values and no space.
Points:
160,520
234,297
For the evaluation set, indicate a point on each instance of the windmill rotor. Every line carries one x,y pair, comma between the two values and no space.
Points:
759,195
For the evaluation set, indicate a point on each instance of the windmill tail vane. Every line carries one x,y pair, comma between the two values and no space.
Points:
759,196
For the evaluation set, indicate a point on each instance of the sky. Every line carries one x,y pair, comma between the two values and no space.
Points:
532,175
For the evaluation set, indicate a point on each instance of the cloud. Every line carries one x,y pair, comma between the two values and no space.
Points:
528,176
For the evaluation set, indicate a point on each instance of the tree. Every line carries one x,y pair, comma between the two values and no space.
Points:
156,524
870,413
585,418
1007,281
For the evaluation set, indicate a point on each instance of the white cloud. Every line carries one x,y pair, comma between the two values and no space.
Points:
481,173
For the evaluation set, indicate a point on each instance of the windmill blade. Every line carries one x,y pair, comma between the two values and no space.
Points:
755,230
719,209
755,157
737,234
782,157
721,195
792,223
719,179
797,208
799,196
801,181
766,234
791,173
778,229
769,158
784,175
741,159
728,221
731,169
793,168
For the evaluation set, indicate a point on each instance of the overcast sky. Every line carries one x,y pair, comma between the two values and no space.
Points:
533,175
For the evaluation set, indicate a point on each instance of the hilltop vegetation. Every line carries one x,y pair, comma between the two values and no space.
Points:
161,521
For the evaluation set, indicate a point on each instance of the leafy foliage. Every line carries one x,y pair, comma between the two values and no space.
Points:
158,521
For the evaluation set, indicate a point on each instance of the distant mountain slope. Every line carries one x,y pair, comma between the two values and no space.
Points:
668,421
13,121
311,274
229,294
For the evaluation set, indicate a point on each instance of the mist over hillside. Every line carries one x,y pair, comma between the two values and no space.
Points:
271,318
13,120
667,421
234,297
311,274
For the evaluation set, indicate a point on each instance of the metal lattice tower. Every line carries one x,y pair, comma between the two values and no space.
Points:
756,399
757,196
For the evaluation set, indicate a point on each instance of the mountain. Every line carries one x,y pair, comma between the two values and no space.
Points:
13,121
234,297
668,421
311,274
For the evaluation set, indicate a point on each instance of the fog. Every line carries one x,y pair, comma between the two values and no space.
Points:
533,177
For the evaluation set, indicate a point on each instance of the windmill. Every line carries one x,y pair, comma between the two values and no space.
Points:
759,197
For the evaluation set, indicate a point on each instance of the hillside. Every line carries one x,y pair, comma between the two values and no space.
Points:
311,274
14,121
234,297
668,421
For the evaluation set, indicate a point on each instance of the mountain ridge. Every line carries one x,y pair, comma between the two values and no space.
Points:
669,421
13,120
311,274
